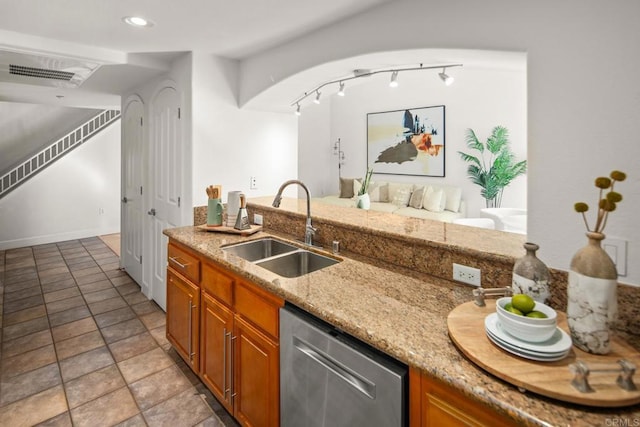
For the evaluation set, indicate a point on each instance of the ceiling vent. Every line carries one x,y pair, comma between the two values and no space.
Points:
40,72
55,71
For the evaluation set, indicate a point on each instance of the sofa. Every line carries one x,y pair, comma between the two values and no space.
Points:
426,201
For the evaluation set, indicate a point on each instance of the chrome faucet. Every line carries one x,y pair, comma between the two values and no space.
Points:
309,230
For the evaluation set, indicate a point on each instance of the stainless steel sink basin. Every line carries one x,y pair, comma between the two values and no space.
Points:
260,249
297,264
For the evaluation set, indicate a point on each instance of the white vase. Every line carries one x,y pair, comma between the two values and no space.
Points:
363,201
531,276
592,304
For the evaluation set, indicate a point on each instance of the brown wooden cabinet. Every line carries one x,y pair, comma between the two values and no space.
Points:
183,317
435,404
237,351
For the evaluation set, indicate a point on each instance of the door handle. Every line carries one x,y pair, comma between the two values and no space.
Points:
124,199
152,212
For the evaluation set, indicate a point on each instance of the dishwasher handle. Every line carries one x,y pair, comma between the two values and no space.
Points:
361,384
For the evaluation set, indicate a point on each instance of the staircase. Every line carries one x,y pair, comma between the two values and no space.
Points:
25,170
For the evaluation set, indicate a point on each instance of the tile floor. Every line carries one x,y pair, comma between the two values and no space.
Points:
82,346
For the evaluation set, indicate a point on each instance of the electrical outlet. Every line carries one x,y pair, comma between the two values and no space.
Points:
253,184
257,219
468,275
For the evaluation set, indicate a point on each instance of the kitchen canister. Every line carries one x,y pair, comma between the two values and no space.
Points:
531,276
214,213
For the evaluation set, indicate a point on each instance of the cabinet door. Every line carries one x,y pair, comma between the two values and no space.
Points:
256,377
183,314
215,349
443,406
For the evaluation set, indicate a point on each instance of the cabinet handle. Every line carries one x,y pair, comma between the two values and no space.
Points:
190,331
181,265
225,390
233,351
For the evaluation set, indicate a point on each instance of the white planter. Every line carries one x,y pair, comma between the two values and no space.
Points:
363,201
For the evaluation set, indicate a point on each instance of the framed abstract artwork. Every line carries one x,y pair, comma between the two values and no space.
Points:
407,142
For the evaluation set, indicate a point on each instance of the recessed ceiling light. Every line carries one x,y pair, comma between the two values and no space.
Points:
137,21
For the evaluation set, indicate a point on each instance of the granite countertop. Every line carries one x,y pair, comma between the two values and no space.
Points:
403,316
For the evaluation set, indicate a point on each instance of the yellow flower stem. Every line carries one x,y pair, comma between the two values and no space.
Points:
584,217
600,214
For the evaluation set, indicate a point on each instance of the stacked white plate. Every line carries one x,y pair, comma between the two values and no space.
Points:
555,348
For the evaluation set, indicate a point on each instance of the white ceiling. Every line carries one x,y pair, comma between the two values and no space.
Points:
93,30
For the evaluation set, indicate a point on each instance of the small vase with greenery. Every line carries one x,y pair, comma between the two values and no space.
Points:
363,200
497,171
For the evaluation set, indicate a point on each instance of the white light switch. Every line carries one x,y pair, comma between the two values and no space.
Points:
617,250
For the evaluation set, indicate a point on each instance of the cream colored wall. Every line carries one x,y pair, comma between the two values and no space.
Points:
583,98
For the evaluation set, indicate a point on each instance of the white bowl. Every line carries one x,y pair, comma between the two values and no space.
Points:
524,328
551,319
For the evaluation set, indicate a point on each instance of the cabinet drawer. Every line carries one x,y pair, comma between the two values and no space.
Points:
258,307
217,284
184,262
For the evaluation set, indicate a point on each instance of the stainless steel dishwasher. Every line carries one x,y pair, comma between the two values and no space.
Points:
328,378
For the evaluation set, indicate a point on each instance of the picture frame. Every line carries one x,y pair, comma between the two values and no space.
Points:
407,142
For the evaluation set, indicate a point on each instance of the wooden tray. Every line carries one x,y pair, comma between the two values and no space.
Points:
231,230
551,379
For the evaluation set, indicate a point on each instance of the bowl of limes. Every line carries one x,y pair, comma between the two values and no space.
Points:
524,318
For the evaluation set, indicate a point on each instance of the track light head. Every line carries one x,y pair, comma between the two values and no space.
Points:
341,90
298,113
317,98
448,80
394,79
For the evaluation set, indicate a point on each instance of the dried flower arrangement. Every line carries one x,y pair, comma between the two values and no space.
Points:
606,202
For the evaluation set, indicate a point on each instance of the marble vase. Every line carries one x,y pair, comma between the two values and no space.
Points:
531,276
592,304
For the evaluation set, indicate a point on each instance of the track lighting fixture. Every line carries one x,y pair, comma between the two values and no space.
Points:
448,80
394,79
359,73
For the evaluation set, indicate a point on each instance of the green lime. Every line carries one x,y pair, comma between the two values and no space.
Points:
514,311
537,314
508,306
523,302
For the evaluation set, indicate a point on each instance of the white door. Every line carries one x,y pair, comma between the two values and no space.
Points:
133,170
165,184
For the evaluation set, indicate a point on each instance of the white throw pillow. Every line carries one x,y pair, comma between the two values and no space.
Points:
402,196
356,187
417,198
434,200
454,197
379,192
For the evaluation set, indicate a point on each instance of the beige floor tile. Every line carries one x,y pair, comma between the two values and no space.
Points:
52,270
160,335
186,408
65,304
132,346
26,343
144,364
137,421
24,315
34,409
86,272
80,344
22,304
93,385
107,410
29,383
70,315
73,329
107,305
85,363
122,330
135,298
145,308
27,361
115,316
101,295
158,387
22,293
128,288
62,420
96,286
25,328
61,294
91,278
154,320
55,278
61,284
122,280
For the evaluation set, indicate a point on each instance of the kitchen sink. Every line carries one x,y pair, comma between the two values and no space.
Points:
279,257
297,263
256,250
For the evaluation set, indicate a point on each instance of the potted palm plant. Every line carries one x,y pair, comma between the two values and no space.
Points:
494,167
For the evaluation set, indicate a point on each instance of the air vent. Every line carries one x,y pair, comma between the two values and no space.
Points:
41,73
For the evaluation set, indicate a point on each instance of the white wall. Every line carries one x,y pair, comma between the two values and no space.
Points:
231,145
583,97
76,197
317,166
479,99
